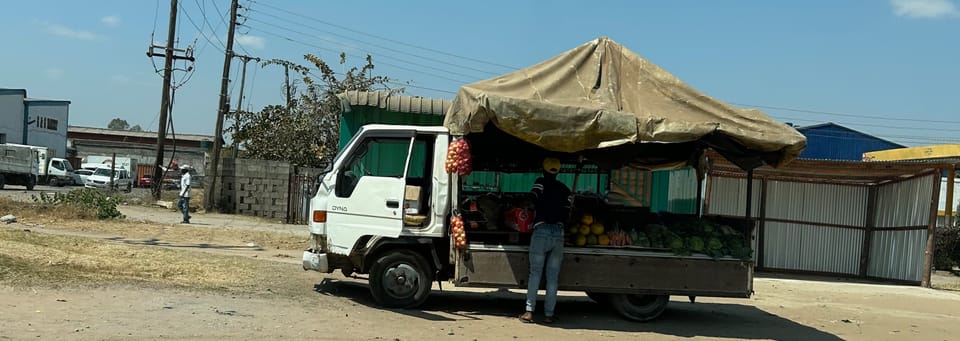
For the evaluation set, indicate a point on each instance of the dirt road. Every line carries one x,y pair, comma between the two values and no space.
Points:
282,301
332,309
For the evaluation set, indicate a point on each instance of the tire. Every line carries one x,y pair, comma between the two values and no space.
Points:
53,182
129,188
31,182
599,297
3,181
639,308
400,279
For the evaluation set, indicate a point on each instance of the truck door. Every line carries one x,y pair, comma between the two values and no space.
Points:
369,189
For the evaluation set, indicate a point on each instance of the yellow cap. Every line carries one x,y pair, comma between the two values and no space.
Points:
551,165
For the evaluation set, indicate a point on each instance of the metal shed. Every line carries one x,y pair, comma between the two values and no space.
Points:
852,219
832,141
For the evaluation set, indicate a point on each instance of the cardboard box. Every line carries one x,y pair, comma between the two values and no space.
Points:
411,197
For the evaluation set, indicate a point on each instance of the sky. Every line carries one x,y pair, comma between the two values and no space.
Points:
890,68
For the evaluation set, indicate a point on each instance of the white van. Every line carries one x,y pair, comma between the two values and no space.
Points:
101,179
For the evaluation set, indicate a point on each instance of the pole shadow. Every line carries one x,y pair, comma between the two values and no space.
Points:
158,242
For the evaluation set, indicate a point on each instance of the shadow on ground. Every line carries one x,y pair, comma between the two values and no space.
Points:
158,242
681,319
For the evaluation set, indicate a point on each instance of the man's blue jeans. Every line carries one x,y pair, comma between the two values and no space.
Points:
184,205
546,248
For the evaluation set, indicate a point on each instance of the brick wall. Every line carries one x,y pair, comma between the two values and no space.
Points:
254,187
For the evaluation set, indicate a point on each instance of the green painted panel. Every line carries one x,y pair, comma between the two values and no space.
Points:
674,191
387,157
351,122
659,190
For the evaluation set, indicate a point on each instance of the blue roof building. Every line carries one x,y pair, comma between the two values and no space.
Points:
831,141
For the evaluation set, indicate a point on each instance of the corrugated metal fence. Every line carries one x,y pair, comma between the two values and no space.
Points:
900,235
875,231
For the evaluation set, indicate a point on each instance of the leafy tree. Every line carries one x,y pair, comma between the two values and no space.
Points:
136,127
306,131
118,124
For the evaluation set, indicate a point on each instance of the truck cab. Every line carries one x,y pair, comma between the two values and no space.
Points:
386,190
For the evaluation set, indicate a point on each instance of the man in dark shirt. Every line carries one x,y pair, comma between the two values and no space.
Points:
552,206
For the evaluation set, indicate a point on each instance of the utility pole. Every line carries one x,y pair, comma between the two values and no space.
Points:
218,136
243,79
169,56
286,76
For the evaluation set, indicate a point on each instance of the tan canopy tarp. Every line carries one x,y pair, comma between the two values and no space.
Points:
602,95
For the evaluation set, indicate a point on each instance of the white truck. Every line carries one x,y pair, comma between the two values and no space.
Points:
388,207
18,166
391,221
53,171
130,164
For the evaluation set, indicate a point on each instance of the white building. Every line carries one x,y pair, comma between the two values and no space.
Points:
34,121
11,115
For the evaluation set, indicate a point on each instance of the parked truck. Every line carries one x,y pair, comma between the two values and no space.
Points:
130,164
53,171
18,166
401,202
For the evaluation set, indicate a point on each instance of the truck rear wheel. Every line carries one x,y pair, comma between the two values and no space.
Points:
400,279
639,308
3,182
31,182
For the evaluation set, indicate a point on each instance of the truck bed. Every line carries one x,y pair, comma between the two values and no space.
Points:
610,270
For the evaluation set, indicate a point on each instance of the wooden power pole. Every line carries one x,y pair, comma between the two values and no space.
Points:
243,79
169,55
211,187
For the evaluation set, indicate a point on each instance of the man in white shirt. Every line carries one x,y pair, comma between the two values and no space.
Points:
184,203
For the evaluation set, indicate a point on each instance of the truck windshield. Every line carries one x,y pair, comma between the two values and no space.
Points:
67,166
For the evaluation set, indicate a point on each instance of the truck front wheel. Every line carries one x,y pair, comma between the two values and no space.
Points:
400,279
639,308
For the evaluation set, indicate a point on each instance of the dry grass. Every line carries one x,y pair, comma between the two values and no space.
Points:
73,219
950,287
28,258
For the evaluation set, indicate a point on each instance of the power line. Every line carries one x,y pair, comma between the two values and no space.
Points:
865,124
364,51
223,14
201,31
512,68
383,47
841,114
422,87
865,138
387,39
223,19
253,82
458,81
206,22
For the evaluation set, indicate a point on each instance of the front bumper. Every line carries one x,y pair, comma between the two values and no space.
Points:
316,261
